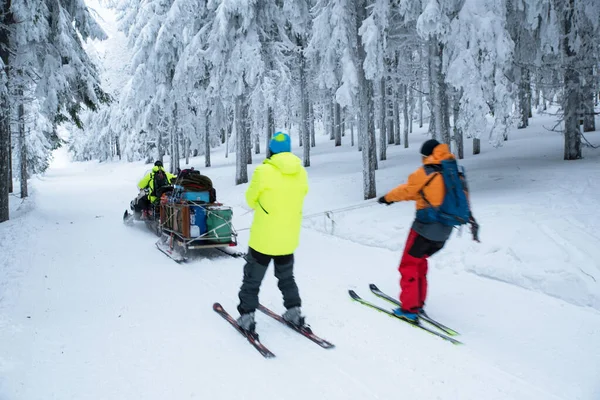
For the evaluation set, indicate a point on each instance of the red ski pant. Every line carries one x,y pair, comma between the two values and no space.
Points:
413,270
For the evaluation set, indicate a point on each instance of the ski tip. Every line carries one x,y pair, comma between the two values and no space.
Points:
217,306
353,294
372,286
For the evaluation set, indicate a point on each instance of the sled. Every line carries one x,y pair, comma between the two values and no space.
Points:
189,226
188,222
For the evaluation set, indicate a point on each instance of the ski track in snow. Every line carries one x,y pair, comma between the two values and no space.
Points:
91,310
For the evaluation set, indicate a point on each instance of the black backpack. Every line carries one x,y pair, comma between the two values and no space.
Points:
160,180
193,181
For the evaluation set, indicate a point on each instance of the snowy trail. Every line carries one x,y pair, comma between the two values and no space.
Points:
115,319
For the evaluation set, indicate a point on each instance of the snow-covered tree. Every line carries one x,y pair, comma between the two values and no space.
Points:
479,52
44,59
5,22
338,47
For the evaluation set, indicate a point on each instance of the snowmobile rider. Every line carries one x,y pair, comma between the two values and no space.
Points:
276,194
424,239
152,181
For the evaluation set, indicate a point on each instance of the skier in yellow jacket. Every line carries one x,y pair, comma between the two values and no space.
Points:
276,193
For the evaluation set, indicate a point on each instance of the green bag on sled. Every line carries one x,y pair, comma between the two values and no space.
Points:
218,224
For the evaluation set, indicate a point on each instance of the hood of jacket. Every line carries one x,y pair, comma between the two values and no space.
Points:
440,153
287,163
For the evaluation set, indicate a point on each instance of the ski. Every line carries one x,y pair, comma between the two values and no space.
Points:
252,338
304,330
422,315
360,300
237,254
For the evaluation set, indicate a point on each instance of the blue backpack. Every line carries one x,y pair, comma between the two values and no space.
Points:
455,209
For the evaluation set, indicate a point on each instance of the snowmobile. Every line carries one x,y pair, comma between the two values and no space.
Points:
186,221
150,216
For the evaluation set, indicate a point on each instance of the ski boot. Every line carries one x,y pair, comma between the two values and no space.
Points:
408,316
294,317
247,324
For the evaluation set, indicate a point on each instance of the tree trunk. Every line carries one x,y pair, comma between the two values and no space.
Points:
241,158
188,150
391,97
117,146
358,132
311,110
445,112
270,129
421,103
440,118
523,101
411,111
589,123
431,92
22,145
257,143
352,131
175,138
331,120
5,22
171,151
458,134
227,135
366,118
421,58
476,146
401,91
10,168
406,116
572,88
304,107
159,145
246,129
371,129
206,139
338,125
178,137
529,111
435,89
536,92
382,124
588,95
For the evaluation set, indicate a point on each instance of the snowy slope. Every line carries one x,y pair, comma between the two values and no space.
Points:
91,310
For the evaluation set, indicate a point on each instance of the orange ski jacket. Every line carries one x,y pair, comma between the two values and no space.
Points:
434,191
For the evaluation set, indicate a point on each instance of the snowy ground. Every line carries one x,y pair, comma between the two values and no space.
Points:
89,309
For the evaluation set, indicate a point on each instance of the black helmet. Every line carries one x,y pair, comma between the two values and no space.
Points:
158,163
428,146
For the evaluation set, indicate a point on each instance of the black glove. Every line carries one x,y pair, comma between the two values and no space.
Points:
474,229
382,200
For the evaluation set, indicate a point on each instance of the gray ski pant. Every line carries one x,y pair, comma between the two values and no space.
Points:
254,273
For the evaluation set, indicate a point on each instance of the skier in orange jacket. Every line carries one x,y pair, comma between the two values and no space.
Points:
427,236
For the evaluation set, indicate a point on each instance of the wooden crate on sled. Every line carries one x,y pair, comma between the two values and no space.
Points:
199,225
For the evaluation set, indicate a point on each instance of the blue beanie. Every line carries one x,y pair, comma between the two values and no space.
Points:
280,143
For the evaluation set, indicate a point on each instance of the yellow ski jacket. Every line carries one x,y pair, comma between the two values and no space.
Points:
276,193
